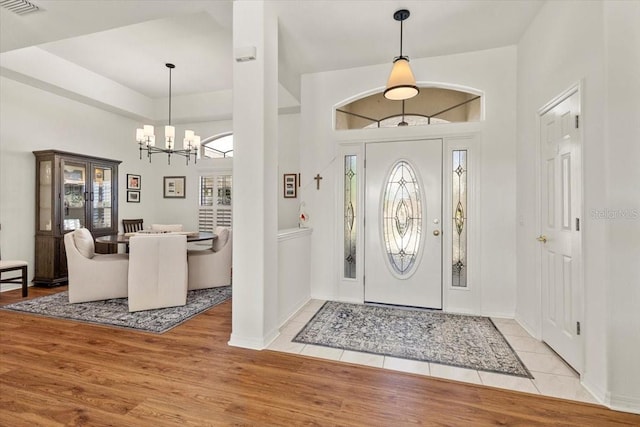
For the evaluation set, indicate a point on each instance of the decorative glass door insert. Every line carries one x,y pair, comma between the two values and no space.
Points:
459,216
350,212
402,218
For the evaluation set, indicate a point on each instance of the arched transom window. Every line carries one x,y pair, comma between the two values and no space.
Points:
218,146
431,106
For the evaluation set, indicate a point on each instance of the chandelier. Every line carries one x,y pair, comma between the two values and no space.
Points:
401,84
146,139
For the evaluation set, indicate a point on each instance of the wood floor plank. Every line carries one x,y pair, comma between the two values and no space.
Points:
56,372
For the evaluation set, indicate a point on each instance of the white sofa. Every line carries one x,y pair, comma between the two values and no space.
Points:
211,268
93,277
157,271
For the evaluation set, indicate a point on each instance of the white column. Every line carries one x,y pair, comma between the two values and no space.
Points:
255,180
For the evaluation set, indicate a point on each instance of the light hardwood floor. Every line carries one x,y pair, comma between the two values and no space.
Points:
55,372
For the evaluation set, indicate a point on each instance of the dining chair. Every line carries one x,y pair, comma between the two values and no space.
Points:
157,271
211,267
131,225
166,227
93,277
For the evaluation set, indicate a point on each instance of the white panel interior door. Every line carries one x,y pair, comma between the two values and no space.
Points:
403,216
560,184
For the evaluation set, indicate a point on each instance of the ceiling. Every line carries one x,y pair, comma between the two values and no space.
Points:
128,41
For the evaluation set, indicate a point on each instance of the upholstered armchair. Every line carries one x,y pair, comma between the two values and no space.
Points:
93,277
157,271
210,268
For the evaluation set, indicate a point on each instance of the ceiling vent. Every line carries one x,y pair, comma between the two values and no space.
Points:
19,7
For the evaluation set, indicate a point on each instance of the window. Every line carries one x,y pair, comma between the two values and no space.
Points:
218,147
350,212
215,202
431,106
459,216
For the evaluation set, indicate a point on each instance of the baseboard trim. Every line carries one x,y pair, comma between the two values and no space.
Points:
299,305
596,391
253,343
524,325
323,297
622,403
351,300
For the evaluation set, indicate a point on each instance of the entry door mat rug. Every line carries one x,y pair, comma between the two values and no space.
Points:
115,312
471,342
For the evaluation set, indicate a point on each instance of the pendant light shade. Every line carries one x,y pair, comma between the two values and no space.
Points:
401,83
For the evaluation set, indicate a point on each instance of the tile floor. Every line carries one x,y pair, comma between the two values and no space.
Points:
552,377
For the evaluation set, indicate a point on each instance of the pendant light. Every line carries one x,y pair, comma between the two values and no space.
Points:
146,138
401,84
403,123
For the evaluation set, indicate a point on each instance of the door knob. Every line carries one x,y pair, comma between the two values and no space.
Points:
436,232
542,238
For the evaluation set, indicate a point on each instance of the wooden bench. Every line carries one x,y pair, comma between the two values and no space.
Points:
7,266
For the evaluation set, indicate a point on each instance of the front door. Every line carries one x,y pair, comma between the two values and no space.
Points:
403,215
560,241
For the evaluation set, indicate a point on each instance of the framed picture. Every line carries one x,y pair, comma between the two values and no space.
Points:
290,185
133,196
134,182
174,187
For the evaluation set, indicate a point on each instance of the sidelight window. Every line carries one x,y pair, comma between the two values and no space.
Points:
350,212
459,213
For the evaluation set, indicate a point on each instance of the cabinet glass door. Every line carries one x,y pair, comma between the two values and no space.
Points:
45,187
75,193
101,197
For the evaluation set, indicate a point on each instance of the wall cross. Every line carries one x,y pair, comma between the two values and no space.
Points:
317,178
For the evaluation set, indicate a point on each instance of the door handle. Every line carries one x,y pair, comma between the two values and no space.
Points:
436,232
542,238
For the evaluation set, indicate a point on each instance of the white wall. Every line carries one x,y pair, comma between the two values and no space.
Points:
551,58
288,162
494,73
33,119
293,271
622,50
570,42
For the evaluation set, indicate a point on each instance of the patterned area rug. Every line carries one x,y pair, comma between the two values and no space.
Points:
115,312
450,339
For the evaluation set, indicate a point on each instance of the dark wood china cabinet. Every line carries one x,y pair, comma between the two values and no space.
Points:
72,191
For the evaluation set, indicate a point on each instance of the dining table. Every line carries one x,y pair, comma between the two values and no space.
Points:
195,236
